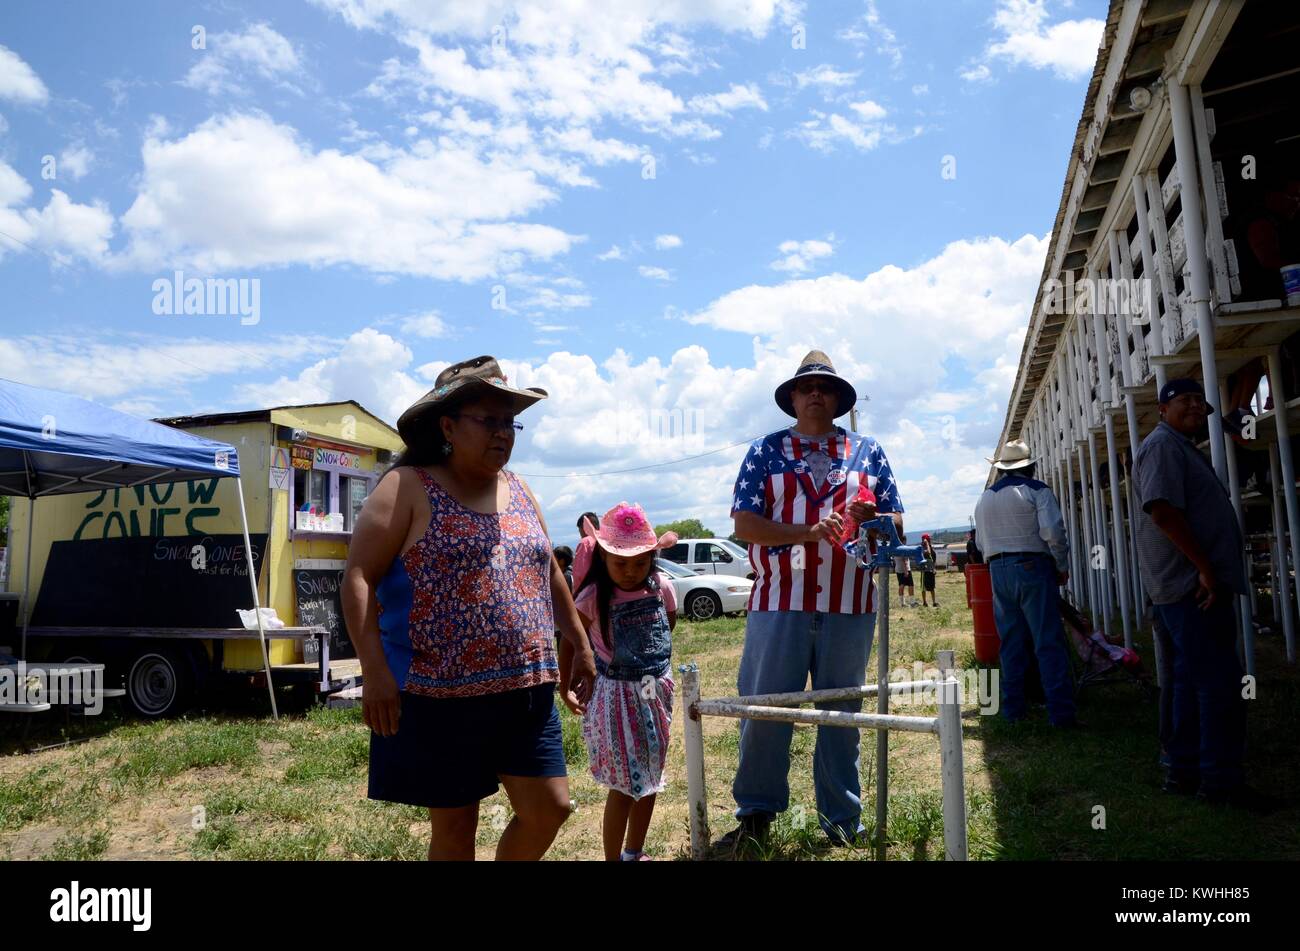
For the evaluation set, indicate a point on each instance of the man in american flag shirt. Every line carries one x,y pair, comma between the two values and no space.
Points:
812,610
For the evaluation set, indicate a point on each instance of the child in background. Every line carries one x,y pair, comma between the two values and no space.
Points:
629,610
927,573
564,555
582,555
903,568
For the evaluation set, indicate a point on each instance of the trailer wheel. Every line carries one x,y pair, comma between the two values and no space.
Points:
160,683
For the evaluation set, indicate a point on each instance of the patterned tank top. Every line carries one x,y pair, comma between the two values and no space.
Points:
466,610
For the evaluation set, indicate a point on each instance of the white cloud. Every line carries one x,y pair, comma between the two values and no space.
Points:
665,241
241,191
921,89
874,30
259,49
19,82
747,96
615,253
976,73
428,324
75,161
63,229
101,366
655,273
1067,48
864,131
370,367
800,256
824,77
547,298
599,26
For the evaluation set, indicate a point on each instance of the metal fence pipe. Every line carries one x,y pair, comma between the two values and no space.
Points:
794,698
869,721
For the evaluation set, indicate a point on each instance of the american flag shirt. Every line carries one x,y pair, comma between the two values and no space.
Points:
776,482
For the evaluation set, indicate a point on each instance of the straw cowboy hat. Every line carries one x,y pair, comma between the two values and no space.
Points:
816,364
1014,455
469,378
625,530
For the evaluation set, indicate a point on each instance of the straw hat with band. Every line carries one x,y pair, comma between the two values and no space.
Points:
817,364
1014,455
463,381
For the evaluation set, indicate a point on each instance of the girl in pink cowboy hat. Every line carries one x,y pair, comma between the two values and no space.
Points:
629,611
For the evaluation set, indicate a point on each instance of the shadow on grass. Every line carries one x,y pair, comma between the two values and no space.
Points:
1096,793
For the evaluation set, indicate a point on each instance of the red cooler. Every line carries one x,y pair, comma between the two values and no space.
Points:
979,598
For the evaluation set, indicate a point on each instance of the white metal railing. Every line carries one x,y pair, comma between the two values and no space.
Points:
782,707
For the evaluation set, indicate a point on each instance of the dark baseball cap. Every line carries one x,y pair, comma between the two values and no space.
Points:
1175,388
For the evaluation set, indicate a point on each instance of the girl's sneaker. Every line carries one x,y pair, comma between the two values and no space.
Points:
627,856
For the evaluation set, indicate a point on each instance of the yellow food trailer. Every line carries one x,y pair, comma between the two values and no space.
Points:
113,572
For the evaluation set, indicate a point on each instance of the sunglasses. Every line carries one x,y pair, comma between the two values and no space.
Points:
808,387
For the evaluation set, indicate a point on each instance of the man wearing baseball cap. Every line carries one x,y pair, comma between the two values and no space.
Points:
1189,551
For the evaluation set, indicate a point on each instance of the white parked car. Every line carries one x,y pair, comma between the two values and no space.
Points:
710,556
701,597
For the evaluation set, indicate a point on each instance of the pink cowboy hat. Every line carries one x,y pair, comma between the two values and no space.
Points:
625,530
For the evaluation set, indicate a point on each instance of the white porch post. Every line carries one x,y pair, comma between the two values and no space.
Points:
1194,234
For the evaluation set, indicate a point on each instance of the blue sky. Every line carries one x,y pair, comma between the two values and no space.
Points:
672,200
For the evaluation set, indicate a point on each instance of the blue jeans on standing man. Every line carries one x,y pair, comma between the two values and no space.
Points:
781,649
1208,737
1026,608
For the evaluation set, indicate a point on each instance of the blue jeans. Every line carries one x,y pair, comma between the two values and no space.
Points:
1026,608
781,649
1165,643
1209,715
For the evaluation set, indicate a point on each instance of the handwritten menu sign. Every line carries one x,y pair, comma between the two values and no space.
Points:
318,592
150,581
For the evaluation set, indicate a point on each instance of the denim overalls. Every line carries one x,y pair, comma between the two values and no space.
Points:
641,638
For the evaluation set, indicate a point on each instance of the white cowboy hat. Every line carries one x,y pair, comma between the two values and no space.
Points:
1014,455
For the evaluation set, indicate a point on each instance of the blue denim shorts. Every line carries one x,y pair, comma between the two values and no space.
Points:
448,752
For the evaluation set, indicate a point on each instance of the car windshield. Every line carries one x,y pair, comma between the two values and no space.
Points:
736,550
668,568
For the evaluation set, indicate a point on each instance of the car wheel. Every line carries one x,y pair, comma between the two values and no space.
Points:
703,605
160,683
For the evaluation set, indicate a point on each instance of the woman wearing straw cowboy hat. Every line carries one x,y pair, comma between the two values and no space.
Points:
452,598
1022,535
812,609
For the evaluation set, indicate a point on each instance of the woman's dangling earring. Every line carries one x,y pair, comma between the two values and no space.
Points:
446,449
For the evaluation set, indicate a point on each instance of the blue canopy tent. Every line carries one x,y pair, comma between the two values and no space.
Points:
52,443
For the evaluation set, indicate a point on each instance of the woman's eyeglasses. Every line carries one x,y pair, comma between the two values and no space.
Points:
494,424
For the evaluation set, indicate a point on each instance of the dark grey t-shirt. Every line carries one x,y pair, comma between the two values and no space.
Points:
1170,467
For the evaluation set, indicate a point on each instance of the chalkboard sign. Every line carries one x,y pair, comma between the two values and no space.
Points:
318,592
149,581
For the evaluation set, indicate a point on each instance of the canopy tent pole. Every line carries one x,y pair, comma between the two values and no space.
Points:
252,583
27,580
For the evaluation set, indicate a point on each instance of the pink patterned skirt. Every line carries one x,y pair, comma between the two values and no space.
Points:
626,729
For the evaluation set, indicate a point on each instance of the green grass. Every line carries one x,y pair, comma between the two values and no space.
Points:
140,760
28,797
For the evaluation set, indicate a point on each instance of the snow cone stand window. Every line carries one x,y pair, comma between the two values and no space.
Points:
330,484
